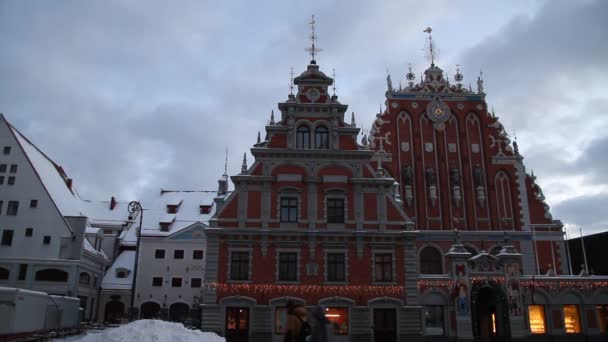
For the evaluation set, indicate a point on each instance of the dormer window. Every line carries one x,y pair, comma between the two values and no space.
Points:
303,137
122,273
164,226
172,209
322,138
205,209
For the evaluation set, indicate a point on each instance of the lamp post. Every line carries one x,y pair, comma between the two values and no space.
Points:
135,208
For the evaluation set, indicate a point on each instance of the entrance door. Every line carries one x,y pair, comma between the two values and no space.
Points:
385,325
490,318
237,324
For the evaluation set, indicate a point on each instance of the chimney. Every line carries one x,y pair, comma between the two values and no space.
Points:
112,203
68,182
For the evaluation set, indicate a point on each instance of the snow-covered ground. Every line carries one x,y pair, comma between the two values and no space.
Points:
148,330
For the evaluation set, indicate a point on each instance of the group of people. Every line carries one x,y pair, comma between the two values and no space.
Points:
302,328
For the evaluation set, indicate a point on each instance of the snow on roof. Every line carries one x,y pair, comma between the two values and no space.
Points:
89,248
52,176
99,212
189,211
125,260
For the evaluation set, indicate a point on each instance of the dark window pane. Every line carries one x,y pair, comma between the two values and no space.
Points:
197,254
157,281
239,266
46,240
336,267
29,232
12,208
303,137
321,138
13,168
7,150
288,266
22,271
335,210
430,261
11,180
178,254
384,267
289,209
2,167
34,204
176,282
7,237
195,282
159,254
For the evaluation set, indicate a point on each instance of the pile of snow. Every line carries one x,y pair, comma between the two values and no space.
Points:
149,330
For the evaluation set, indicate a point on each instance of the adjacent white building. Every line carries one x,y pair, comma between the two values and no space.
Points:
172,252
47,241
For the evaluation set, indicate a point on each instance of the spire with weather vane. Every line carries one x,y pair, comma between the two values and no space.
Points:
333,86
313,50
291,81
431,51
410,76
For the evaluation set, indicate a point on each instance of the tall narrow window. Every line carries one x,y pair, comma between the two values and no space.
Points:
2,168
13,208
536,315
335,210
22,271
572,319
13,168
289,209
239,266
7,237
322,138
303,137
336,267
383,267
288,266
7,150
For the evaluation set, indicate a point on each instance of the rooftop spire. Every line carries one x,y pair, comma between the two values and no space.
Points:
333,87
431,54
244,166
352,119
312,50
226,164
291,82
272,117
259,138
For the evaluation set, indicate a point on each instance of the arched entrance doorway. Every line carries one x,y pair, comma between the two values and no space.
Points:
150,310
490,313
115,311
179,312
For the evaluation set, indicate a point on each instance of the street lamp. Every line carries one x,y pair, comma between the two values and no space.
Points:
135,208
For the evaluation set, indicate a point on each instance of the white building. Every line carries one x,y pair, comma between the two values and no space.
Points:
171,262
48,243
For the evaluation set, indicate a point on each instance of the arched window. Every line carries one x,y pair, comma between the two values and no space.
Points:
322,138
52,274
4,273
430,261
303,137
84,279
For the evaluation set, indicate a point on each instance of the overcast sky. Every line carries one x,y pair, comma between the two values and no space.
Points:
133,96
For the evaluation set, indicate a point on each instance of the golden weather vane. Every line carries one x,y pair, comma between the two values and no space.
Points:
313,50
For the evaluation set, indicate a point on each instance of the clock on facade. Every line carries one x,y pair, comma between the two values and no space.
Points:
313,94
438,111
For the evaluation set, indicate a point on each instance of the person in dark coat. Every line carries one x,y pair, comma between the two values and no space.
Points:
319,325
297,328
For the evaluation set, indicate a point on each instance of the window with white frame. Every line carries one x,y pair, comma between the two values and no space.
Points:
303,137
335,210
289,208
322,138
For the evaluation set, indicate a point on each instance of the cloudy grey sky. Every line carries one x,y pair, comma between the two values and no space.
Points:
133,96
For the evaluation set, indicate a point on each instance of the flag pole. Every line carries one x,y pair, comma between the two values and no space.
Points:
568,251
584,252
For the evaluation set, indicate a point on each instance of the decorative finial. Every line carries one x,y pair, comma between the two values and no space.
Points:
352,119
480,83
400,88
333,74
389,82
364,140
410,76
259,138
272,117
515,145
470,88
431,53
380,112
493,115
312,50
291,82
458,77
244,166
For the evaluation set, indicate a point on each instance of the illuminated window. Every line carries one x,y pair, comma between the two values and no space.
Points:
572,320
280,320
602,312
433,319
537,321
338,317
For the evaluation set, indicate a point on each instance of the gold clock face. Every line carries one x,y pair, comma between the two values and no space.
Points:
438,111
